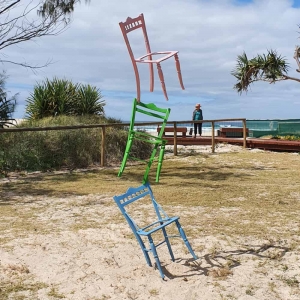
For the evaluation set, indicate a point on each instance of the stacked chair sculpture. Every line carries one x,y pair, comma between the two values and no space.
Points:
132,24
157,113
159,224
129,202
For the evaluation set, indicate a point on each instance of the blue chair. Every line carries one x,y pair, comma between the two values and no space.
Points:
160,223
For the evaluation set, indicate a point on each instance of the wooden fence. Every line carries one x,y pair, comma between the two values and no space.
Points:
104,126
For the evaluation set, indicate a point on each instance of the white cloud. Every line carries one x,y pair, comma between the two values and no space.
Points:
209,36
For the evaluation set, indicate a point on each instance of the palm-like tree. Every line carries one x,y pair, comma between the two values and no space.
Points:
270,68
88,101
51,98
62,97
7,106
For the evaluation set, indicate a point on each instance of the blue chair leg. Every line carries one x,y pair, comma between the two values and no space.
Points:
153,249
182,234
168,244
145,252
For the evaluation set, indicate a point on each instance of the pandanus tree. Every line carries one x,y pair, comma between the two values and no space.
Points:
270,67
62,97
88,101
7,105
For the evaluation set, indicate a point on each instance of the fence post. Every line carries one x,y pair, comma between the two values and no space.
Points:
244,134
175,139
102,158
212,137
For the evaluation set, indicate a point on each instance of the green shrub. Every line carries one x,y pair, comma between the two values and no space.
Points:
7,105
287,137
62,97
69,148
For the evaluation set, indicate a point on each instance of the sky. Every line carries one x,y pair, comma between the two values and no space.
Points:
209,35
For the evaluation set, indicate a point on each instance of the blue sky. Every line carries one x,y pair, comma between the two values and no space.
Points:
294,3
209,36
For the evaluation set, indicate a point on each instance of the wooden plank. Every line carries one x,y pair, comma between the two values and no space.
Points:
266,144
183,130
232,132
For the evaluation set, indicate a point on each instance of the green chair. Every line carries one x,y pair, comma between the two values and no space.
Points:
157,113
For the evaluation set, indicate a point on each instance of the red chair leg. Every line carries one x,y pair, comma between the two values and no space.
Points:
178,70
138,86
161,77
151,77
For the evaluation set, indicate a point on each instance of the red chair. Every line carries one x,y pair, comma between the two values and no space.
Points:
139,22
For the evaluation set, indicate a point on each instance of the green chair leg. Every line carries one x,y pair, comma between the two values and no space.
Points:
160,161
126,154
149,164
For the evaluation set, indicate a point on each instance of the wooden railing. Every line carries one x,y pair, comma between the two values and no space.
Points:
104,126
212,131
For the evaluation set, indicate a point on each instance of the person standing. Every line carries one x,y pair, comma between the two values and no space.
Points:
197,115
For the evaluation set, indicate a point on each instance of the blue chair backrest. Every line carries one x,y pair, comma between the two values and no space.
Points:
135,194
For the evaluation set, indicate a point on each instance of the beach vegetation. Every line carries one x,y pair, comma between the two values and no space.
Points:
291,281
18,288
7,104
270,67
231,207
220,273
55,294
250,291
64,149
154,292
287,137
57,97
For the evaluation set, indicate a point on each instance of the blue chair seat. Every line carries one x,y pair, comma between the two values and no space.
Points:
163,223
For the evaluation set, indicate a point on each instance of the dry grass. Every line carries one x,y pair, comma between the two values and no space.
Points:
248,193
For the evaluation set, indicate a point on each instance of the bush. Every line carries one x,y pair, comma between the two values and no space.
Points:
7,105
287,137
69,148
62,97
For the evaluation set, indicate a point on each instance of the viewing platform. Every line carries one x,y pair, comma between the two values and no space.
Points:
264,144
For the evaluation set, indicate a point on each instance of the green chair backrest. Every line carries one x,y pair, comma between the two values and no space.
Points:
151,110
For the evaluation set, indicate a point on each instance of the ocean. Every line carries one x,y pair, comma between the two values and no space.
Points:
257,128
